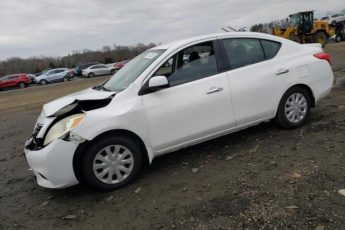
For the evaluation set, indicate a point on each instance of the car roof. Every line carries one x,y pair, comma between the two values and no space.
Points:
178,43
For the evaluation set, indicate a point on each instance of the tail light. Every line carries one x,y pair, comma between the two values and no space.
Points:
323,56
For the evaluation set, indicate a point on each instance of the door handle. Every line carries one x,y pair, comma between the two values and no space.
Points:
214,90
282,71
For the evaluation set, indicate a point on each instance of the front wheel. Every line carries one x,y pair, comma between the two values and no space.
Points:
112,72
293,109
43,82
111,163
91,75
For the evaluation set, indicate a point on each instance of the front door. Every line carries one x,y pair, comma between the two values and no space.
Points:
196,104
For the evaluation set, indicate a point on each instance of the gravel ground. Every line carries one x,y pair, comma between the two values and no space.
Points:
259,178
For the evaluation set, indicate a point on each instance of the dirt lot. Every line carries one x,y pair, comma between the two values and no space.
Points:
262,177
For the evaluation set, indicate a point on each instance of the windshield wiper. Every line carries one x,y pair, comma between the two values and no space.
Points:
101,87
105,89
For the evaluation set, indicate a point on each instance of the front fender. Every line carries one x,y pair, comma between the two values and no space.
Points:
128,117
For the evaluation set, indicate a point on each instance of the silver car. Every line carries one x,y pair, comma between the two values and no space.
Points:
98,70
54,75
334,19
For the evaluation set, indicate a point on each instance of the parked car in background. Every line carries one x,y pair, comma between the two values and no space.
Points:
42,72
32,77
78,70
55,75
119,65
334,19
98,70
157,103
14,80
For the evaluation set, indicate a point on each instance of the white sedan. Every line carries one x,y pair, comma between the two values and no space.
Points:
159,103
98,70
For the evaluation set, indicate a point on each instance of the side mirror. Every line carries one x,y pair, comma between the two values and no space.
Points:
158,82
155,83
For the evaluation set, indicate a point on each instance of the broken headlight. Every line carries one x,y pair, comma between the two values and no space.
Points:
62,127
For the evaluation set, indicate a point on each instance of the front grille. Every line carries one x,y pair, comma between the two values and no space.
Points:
34,142
37,129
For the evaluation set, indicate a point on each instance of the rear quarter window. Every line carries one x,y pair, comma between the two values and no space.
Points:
271,48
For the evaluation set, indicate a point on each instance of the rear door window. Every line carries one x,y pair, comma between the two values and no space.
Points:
51,72
243,51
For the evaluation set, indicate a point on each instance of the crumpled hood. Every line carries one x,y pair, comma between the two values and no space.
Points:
89,94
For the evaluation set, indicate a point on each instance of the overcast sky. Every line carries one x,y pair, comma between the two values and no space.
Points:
57,27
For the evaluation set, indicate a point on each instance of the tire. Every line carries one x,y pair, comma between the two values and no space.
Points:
287,108
22,85
65,79
91,75
43,82
103,177
321,37
112,71
338,38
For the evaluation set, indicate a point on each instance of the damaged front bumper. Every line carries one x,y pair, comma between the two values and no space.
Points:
53,164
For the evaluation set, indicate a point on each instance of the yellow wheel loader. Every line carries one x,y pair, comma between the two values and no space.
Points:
304,29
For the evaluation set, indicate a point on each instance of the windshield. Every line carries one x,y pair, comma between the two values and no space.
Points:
132,70
294,20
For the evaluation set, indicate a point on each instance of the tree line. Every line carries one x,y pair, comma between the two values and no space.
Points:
108,54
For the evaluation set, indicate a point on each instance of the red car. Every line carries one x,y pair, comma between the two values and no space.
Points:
15,80
120,64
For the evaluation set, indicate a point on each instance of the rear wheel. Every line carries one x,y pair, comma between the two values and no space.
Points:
43,82
321,38
111,163
338,38
21,85
294,108
91,75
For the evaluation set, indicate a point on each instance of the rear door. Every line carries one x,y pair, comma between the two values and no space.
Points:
103,70
197,103
59,74
257,78
50,75
11,81
96,69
